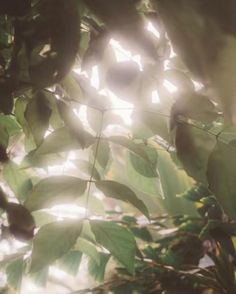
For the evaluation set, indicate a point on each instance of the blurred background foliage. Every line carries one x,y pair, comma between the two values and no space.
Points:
117,146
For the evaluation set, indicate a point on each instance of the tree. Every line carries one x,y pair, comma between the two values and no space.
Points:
125,111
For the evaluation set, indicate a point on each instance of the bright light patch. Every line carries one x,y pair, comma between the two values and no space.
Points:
120,107
95,77
79,72
81,113
198,86
125,55
68,211
170,87
155,97
153,30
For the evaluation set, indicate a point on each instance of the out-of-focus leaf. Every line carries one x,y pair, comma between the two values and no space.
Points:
141,166
196,193
193,149
88,249
6,98
37,115
130,145
40,277
123,20
88,168
10,124
103,152
118,240
70,262
17,179
220,174
75,126
15,271
54,190
32,159
60,140
179,80
97,271
193,106
52,242
119,191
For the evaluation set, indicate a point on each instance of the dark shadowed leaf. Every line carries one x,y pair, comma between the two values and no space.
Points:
54,190
119,191
221,172
118,240
52,242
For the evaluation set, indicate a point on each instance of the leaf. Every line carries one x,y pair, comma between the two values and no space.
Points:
193,106
54,190
6,99
88,249
87,168
130,145
221,172
60,140
196,193
141,166
118,240
52,242
75,126
70,262
10,124
15,271
119,191
17,179
103,153
97,271
40,278
193,149
37,114
179,79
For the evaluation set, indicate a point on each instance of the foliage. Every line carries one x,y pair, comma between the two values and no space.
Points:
152,199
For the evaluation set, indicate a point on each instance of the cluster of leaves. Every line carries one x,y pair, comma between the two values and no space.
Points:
186,138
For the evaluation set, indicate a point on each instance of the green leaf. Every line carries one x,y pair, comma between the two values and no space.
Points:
221,172
37,115
130,145
75,126
17,179
97,271
118,240
103,152
193,149
119,191
88,249
54,190
142,166
52,242
70,262
15,271
60,140
40,278
10,124
87,168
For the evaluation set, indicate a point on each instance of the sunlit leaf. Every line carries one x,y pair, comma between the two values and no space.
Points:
118,240
119,191
87,168
88,249
54,190
50,242
130,145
